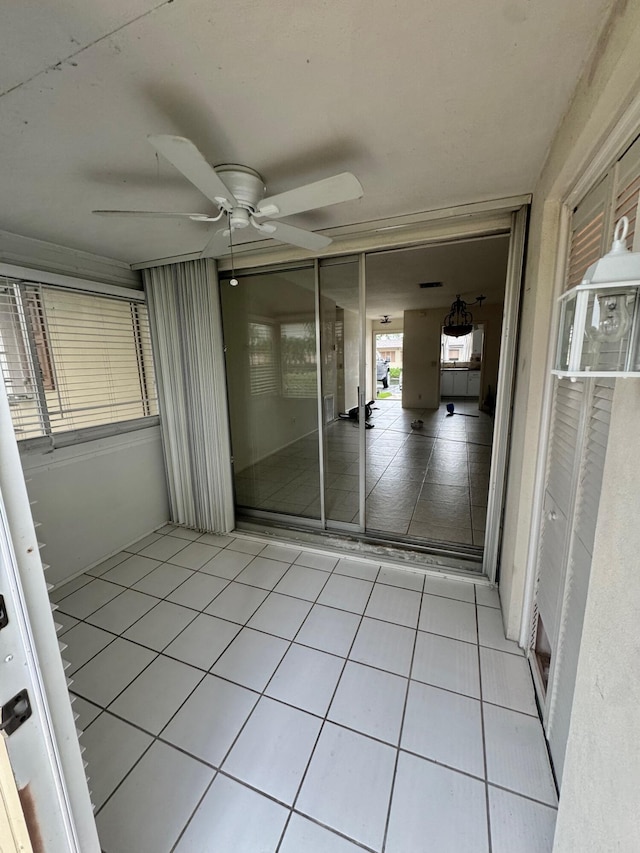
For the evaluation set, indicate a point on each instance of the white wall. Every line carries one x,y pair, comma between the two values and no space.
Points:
421,359
351,377
95,498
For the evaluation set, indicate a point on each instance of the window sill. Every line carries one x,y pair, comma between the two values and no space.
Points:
81,436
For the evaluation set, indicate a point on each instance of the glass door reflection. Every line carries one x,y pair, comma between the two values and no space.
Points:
340,348
270,333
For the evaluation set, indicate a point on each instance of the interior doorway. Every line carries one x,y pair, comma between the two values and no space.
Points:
388,363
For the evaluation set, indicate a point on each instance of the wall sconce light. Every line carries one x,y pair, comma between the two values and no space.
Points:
459,321
599,318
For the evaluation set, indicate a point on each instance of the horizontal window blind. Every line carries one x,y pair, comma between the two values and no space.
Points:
263,367
298,356
73,360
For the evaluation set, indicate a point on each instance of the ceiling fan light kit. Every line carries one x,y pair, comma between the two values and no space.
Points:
238,192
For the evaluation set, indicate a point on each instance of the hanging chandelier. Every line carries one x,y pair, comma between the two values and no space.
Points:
459,321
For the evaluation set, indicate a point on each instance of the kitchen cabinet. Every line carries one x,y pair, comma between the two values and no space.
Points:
460,383
473,383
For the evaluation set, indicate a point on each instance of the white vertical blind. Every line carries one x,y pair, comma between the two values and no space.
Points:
184,309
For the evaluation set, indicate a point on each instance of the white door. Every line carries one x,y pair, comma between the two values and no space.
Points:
37,719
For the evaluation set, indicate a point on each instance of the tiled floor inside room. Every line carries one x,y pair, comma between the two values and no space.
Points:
429,482
241,696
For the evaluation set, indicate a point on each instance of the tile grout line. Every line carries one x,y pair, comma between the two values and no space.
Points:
163,650
484,739
261,695
400,732
228,775
325,718
313,603
200,681
158,654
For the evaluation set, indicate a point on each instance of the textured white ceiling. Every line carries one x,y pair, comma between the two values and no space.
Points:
430,104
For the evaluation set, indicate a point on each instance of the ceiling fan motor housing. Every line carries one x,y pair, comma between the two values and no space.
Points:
239,217
246,185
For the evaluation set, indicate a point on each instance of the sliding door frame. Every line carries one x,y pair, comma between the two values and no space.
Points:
444,231
331,525
504,392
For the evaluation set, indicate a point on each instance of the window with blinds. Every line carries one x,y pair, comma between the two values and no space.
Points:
73,360
263,359
299,361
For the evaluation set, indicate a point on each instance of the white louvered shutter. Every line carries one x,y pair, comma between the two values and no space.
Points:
576,585
561,459
576,452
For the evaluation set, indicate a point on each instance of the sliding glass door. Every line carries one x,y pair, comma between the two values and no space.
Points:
293,361
271,344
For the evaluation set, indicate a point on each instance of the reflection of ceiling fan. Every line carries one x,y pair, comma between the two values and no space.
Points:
237,192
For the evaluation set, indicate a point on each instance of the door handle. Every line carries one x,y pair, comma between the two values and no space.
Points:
552,515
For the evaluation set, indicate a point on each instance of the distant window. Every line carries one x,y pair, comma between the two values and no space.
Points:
298,359
263,365
456,349
73,360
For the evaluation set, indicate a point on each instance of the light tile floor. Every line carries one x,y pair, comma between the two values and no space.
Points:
429,483
244,697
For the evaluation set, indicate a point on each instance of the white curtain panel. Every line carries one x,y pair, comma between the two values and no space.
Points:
186,327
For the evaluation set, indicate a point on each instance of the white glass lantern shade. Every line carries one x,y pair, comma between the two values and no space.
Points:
599,317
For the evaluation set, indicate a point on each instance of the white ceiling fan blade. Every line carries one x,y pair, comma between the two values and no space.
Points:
184,155
157,214
343,187
295,236
218,244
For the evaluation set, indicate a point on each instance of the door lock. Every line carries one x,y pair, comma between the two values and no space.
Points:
15,712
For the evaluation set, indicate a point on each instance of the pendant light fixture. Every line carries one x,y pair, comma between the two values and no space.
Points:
459,321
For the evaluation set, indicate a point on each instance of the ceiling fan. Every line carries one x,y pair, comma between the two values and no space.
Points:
238,193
